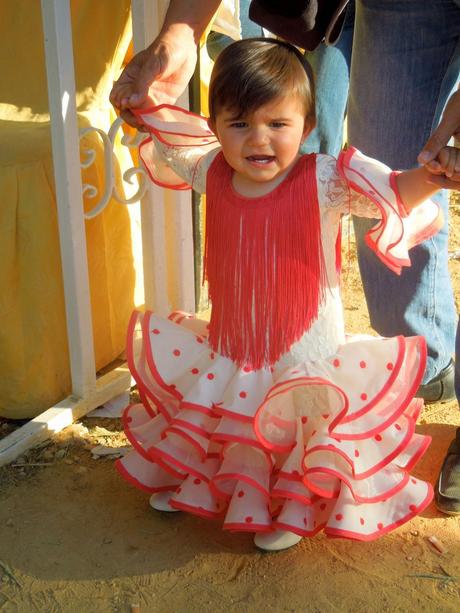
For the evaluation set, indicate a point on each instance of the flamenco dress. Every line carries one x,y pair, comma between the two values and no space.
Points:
268,417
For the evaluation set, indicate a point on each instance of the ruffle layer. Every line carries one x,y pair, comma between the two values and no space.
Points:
326,445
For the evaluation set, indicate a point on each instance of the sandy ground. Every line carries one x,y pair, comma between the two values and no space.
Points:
74,537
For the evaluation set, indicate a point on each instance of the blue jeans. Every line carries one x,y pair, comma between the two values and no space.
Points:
405,61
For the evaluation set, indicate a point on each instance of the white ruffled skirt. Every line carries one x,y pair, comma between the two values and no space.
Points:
325,445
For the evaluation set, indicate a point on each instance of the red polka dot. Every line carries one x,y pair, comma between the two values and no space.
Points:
212,356
156,331
295,372
412,508
304,419
176,352
336,363
339,517
272,369
199,339
414,480
295,473
247,369
313,433
304,521
325,416
380,526
364,396
195,371
248,519
179,490
356,453
210,376
362,364
240,494
378,438
197,481
361,521
390,366
129,420
398,427
243,394
173,386
322,506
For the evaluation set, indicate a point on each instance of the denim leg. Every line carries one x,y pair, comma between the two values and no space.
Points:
406,60
331,66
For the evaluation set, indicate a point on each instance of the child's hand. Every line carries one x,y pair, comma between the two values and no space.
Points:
445,169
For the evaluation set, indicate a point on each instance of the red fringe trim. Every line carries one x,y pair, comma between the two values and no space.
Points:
264,264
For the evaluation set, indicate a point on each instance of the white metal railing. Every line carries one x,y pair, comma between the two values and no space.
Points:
88,392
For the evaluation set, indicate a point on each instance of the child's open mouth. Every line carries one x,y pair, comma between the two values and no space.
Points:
260,159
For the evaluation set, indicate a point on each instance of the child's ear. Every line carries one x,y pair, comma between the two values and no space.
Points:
308,129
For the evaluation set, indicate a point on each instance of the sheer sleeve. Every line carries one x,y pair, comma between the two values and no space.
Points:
168,163
179,149
365,187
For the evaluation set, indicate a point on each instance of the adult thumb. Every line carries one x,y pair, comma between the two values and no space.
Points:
448,126
437,141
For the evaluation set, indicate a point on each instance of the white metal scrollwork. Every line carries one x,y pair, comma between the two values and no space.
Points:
110,188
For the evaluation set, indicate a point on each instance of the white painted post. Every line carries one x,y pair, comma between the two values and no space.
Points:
147,18
66,159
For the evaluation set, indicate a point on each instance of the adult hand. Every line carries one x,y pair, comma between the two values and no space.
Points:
449,127
158,74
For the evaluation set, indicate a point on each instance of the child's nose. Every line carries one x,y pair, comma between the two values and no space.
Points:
258,135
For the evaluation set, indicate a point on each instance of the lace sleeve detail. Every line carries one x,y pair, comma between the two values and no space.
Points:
191,164
336,194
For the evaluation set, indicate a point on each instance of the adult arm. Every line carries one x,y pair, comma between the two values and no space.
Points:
448,127
161,72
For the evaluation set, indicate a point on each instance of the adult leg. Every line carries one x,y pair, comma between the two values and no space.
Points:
331,66
406,59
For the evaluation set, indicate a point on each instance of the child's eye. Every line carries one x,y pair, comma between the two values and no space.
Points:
238,124
277,124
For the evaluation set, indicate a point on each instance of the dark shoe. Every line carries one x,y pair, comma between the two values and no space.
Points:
441,388
447,490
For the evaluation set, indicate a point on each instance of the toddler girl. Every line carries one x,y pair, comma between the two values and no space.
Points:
269,417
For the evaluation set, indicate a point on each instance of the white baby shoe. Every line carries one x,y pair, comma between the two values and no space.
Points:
277,540
160,502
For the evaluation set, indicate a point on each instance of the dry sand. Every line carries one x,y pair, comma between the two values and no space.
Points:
74,537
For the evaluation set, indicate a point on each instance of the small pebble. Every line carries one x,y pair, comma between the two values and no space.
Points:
9,522
409,558
414,532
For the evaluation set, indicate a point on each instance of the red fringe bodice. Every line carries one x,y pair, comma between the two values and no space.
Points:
264,264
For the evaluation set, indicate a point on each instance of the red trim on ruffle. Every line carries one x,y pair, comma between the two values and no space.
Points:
329,471
163,459
337,532
143,389
371,471
235,477
287,386
133,481
150,360
246,527
130,436
179,432
181,506
279,525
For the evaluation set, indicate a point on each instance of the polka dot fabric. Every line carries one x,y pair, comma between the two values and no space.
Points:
324,445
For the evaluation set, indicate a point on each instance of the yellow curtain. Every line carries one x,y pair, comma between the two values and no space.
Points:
34,365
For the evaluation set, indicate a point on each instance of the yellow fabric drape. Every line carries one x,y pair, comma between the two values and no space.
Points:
34,364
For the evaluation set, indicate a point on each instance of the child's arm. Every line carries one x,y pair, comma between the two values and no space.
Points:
414,187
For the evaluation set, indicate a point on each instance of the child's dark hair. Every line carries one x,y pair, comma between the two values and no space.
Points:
252,72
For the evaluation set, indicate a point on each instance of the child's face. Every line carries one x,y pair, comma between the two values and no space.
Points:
262,147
